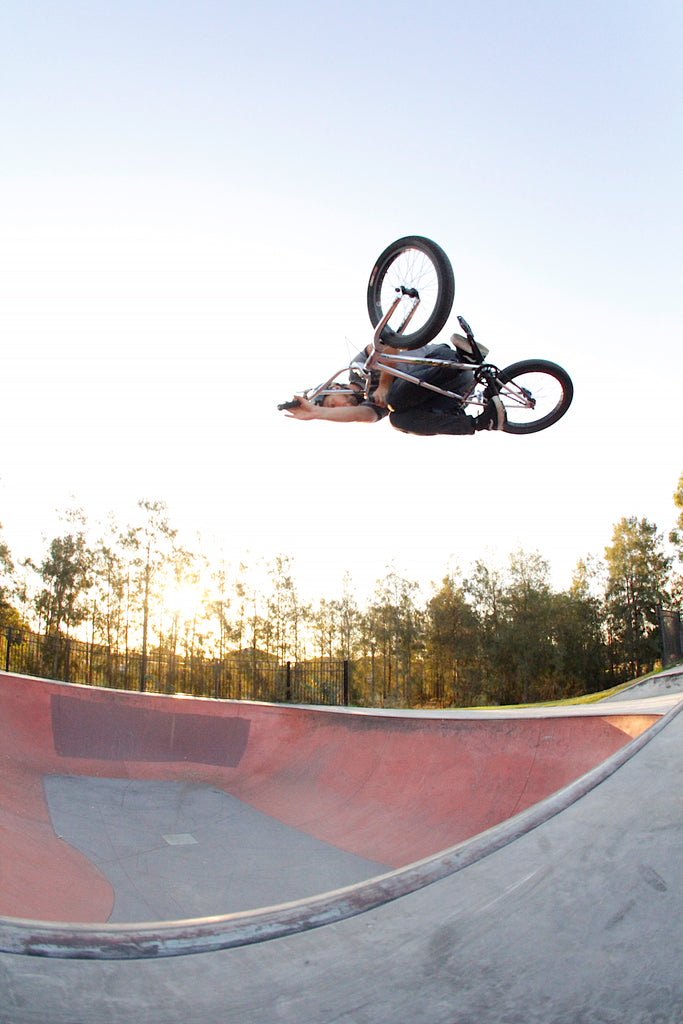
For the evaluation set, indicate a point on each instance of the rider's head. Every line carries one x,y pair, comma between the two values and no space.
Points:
334,401
341,396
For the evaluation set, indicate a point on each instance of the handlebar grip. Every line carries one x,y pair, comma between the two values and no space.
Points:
294,404
465,326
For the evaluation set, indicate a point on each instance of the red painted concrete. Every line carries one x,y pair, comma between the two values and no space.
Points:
390,789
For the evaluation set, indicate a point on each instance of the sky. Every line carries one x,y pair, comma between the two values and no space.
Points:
192,195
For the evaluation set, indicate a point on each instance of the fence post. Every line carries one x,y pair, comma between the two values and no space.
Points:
670,636
288,683
345,699
67,657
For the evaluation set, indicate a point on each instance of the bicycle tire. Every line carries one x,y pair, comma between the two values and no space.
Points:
549,392
418,263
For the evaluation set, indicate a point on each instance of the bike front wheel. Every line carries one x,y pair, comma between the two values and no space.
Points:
535,393
412,265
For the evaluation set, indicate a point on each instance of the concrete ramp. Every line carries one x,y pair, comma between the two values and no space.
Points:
359,866
667,683
386,789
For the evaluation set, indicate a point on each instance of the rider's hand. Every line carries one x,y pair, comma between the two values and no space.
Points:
379,396
305,411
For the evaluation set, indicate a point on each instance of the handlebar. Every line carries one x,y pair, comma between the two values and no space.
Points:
466,327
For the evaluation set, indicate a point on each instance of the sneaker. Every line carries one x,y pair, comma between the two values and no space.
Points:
493,417
464,348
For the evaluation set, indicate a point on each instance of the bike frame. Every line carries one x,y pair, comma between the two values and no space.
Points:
376,361
483,373
527,396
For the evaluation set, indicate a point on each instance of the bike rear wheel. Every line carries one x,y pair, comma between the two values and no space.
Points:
412,263
535,393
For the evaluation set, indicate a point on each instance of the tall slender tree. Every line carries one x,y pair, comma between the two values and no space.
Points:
7,584
110,578
150,545
66,576
485,590
397,625
676,538
637,576
284,610
452,641
580,646
676,535
527,647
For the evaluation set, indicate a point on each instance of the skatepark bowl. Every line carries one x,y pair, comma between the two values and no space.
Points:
188,860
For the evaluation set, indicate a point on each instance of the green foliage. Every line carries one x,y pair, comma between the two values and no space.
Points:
676,535
637,574
505,637
7,586
396,625
66,574
284,612
454,641
487,636
676,538
151,545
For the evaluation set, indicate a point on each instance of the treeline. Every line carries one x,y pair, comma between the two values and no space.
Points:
484,635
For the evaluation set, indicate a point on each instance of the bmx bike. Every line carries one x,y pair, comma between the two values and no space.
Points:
409,298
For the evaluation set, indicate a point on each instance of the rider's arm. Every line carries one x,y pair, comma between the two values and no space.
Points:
379,395
337,414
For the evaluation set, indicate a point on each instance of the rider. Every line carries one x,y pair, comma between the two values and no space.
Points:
411,409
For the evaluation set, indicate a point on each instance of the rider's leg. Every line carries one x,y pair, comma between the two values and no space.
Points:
404,395
427,422
493,416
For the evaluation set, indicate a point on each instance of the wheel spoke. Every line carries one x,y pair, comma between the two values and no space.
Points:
536,393
412,263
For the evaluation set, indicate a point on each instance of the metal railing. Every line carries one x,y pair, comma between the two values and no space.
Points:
243,675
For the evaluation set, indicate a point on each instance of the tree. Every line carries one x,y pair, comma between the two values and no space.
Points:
637,575
676,538
335,625
452,640
66,573
396,625
323,624
108,603
110,576
578,616
151,544
219,606
676,535
7,585
515,611
179,599
349,620
526,649
485,591
285,613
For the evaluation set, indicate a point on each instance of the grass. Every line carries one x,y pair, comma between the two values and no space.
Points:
588,698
